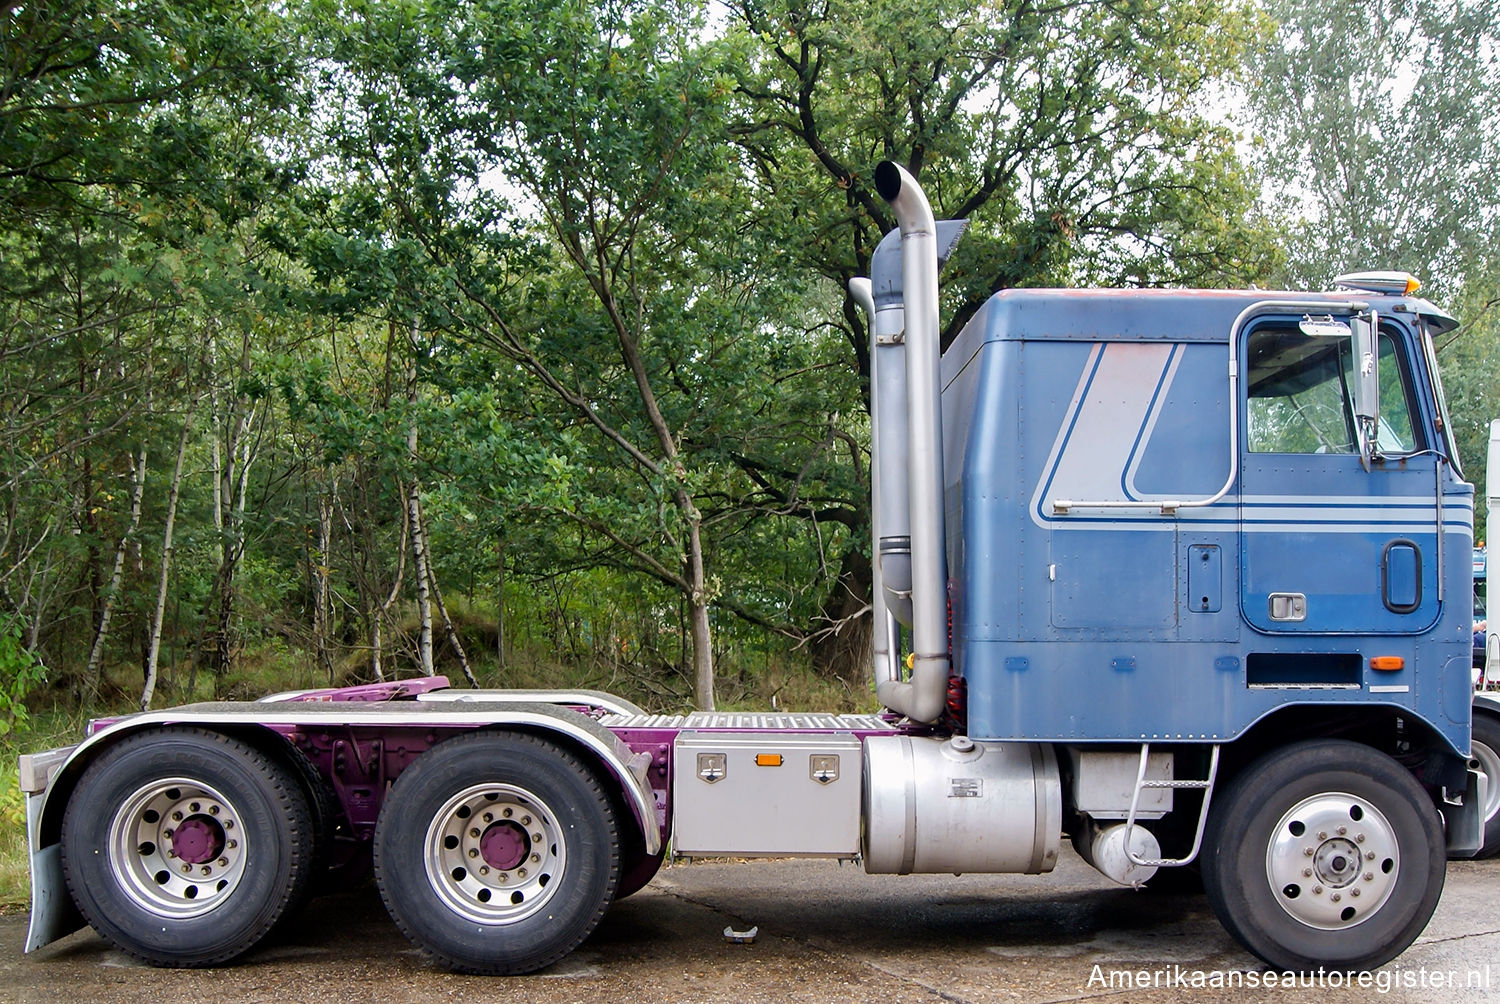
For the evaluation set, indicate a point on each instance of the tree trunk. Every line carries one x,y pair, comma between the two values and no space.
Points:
423,576
381,607
420,567
841,646
232,478
153,642
703,649
500,601
321,592
96,654
448,628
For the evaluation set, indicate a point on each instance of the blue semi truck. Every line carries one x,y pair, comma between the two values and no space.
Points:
1179,576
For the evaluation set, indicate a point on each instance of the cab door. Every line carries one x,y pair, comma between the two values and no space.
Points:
1328,547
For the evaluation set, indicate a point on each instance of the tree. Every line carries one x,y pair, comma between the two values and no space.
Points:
131,158
1072,135
1378,141
607,119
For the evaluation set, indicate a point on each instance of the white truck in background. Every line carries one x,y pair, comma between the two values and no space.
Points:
1486,741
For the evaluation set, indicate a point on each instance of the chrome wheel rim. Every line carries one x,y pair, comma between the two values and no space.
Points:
1489,762
1333,861
494,853
177,847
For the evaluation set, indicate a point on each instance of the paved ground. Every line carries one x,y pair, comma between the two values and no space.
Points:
827,933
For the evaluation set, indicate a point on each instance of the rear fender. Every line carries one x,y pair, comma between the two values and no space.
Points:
54,775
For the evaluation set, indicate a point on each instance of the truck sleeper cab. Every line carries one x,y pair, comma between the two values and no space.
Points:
1204,556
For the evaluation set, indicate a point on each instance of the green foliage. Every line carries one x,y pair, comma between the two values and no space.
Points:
574,269
1470,361
1376,134
21,672
1072,136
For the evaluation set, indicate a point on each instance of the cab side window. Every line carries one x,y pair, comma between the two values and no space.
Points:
1298,397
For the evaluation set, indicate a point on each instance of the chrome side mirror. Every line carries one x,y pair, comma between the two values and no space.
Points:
1364,336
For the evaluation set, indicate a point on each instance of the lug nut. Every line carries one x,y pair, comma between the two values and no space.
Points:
1343,830
473,852
474,831
1317,890
1369,876
1354,892
1307,873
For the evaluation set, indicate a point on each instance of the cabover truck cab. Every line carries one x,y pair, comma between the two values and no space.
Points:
1179,576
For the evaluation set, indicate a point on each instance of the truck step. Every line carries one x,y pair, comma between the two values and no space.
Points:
1203,784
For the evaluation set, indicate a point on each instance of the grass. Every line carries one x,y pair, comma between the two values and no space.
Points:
45,730
15,883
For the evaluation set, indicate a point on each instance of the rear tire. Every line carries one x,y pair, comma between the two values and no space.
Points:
1325,854
497,853
185,847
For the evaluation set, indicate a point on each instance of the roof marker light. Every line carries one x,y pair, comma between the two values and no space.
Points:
1396,283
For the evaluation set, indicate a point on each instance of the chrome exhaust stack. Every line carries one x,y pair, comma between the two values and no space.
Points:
886,643
924,696
888,410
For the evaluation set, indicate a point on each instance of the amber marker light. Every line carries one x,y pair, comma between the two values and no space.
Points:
1387,663
1393,283
768,759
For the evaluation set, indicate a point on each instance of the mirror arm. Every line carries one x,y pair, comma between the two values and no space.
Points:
1365,330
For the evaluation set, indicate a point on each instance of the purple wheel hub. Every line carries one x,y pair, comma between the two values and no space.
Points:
492,852
504,845
177,847
198,839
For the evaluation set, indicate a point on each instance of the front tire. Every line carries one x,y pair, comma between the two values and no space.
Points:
497,853
185,847
1324,854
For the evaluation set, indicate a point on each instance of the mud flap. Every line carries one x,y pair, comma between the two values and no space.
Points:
53,915
1464,819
